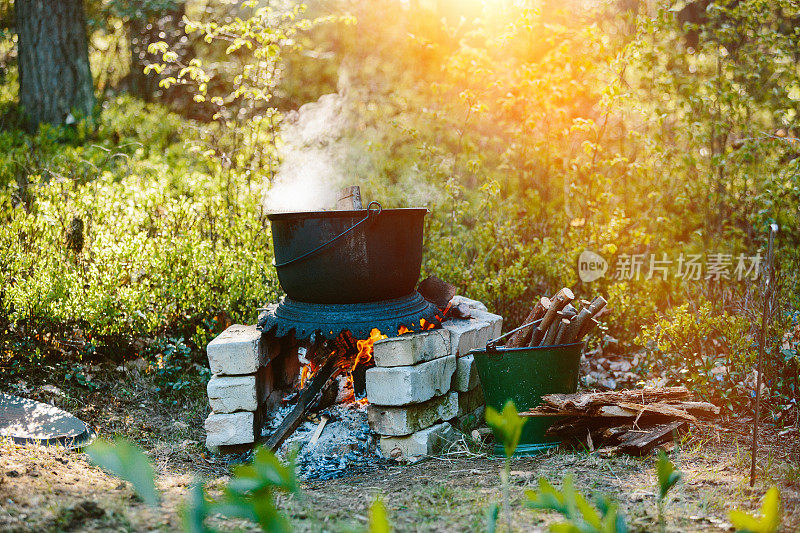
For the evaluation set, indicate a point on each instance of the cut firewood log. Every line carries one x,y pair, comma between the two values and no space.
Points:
561,330
576,329
522,337
588,326
557,303
549,338
569,311
349,198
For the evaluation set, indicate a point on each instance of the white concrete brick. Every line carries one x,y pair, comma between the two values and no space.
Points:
472,304
429,441
228,394
229,428
470,401
402,385
396,421
412,348
467,334
237,350
465,378
495,321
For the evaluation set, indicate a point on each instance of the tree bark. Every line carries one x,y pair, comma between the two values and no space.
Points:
55,82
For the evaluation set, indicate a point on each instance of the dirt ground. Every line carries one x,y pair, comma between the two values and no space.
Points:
52,489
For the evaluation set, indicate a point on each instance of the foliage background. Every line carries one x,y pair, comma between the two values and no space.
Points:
531,130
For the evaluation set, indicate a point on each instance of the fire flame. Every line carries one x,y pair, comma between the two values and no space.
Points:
365,347
307,372
364,356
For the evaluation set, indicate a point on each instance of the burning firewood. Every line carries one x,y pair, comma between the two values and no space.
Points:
309,398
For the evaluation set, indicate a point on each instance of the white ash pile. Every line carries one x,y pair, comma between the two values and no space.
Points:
333,443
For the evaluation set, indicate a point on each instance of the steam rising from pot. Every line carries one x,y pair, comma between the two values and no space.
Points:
313,157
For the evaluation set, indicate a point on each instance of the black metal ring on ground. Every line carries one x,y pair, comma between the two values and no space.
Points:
331,319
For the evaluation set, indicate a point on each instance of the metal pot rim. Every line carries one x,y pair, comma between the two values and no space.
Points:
341,214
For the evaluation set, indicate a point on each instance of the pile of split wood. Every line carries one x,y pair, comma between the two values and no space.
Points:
627,421
559,321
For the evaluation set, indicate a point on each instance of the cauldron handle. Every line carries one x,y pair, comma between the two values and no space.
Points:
491,346
370,212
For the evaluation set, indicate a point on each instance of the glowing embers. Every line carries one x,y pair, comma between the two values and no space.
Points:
424,325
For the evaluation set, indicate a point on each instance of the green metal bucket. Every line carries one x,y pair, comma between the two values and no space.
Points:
525,375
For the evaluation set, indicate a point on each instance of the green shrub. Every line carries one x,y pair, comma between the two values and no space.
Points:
712,353
164,246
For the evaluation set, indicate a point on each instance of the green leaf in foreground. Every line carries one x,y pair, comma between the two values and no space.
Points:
491,515
126,461
770,518
581,516
507,426
667,475
378,521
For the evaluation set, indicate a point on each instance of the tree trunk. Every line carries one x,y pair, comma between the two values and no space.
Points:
55,82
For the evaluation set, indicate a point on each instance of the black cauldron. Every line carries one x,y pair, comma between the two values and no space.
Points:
343,257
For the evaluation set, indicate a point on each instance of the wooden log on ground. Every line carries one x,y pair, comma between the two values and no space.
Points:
657,409
557,303
349,198
698,409
522,337
643,442
583,400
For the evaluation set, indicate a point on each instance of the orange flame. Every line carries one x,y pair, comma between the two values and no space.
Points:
365,347
306,373
402,330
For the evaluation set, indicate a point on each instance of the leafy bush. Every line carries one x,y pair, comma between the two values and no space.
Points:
162,245
711,353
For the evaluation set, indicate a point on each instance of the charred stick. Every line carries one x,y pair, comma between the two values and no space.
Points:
309,398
